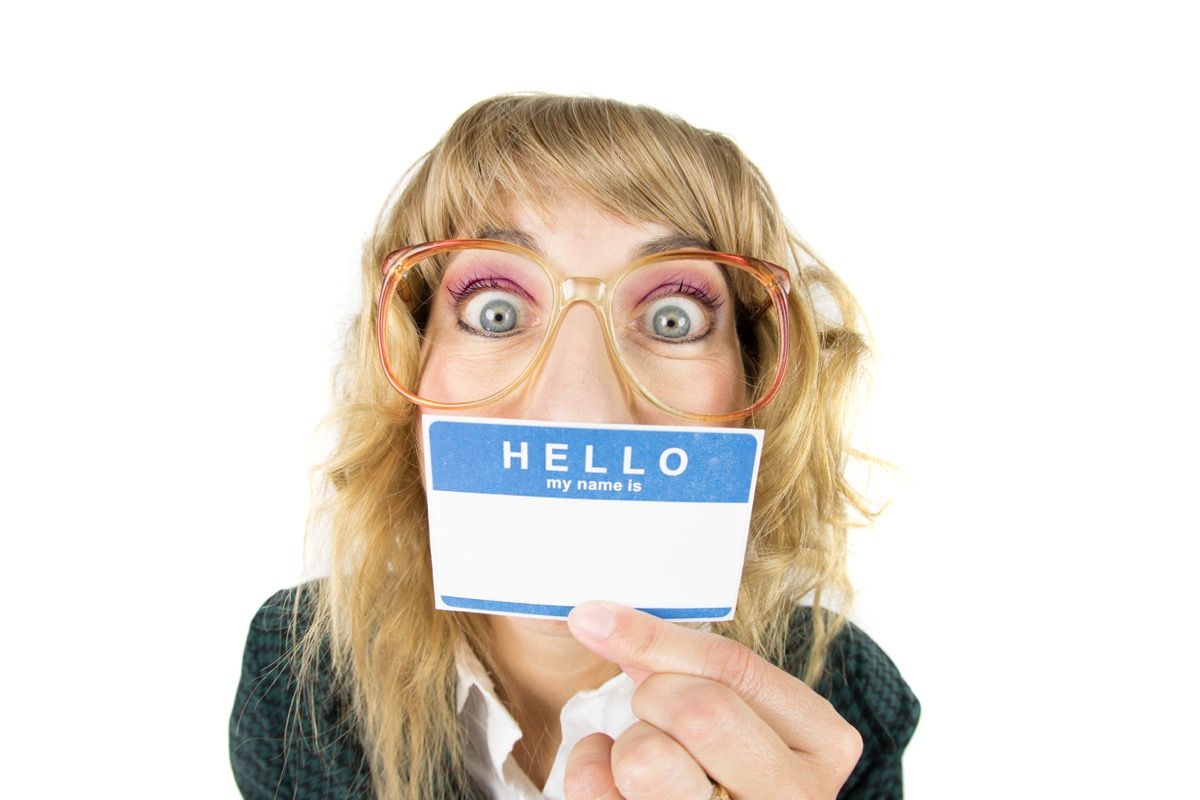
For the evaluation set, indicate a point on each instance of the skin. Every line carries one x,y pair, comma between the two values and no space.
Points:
706,704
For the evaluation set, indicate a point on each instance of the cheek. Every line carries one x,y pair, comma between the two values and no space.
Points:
437,379
721,385
446,373
716,383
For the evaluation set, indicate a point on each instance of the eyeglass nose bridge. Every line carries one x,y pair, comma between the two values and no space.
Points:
593,292
583,290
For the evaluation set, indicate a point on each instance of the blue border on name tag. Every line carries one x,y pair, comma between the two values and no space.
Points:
562,611
687,466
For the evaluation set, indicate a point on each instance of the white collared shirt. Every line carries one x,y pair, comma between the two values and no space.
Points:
492,731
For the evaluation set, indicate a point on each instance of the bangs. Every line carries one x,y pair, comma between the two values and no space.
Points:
636,163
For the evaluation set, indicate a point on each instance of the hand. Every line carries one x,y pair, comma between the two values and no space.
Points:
706,706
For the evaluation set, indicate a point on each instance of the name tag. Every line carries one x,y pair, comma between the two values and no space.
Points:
531,518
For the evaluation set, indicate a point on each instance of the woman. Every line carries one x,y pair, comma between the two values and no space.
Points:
354,686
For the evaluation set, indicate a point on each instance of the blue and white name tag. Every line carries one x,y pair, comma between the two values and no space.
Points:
532,518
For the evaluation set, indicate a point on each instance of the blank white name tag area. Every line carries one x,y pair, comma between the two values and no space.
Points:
531,519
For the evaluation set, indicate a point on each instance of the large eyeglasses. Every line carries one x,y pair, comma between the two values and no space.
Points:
675,322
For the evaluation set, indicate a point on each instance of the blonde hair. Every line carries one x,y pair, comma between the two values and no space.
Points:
393,655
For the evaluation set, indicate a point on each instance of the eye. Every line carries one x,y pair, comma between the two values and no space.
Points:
492,313
671,321
676,319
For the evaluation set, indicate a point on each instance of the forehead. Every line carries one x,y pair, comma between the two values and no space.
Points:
579,237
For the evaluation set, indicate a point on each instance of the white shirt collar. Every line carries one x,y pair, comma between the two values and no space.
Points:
607,709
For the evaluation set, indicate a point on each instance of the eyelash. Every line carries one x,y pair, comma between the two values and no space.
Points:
699,293
468,286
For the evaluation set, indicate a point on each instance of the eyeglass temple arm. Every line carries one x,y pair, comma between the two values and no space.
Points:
783,279
392,260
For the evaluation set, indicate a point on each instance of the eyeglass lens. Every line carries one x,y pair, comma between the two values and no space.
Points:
693,333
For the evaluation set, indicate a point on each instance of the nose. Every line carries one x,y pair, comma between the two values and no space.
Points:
578,380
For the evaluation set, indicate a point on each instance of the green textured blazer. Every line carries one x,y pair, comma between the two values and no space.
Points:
862,683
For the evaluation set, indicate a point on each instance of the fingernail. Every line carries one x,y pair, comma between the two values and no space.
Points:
594,619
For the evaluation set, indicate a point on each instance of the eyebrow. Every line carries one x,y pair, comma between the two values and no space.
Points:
659,244
672,241
514,237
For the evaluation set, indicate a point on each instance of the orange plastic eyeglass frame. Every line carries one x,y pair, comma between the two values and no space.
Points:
396,269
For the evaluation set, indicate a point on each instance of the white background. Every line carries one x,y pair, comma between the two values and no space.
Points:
1010,188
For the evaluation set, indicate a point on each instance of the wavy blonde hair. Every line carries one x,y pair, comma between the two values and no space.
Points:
393,655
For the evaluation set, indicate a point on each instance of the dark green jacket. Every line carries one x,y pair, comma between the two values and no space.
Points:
863,685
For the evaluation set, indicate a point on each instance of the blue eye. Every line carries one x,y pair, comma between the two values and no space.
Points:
493,312
671,322
676,319
498,316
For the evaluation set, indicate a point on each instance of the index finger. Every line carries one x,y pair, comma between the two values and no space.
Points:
642,643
